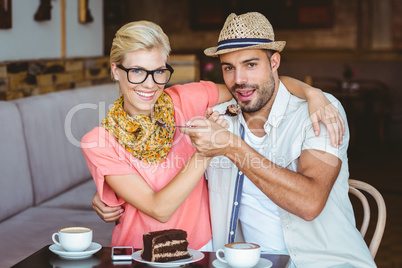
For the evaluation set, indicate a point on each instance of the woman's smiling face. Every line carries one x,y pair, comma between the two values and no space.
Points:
140,98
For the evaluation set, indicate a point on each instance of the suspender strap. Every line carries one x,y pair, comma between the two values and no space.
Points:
236,199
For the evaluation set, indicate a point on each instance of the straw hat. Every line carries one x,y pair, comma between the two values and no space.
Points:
247,31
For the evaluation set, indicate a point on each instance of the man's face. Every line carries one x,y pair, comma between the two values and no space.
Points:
248,75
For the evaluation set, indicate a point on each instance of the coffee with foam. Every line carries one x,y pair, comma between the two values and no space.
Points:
241,245
75,230
240,254
74,239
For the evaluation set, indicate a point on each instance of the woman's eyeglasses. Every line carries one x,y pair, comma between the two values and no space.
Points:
138,75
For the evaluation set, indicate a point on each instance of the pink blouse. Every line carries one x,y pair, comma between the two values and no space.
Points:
105,156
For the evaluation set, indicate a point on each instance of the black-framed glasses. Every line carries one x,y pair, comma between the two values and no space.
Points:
138,75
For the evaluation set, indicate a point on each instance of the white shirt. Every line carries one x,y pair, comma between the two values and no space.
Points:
329,240
259,216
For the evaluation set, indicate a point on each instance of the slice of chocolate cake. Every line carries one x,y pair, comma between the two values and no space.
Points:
164,246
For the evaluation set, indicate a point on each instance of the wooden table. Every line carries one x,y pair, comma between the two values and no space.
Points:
45,258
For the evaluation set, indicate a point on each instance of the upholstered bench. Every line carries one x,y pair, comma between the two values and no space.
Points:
45,183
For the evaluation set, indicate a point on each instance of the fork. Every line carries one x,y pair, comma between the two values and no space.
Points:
172,126
162,124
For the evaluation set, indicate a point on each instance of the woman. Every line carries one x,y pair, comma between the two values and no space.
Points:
150,170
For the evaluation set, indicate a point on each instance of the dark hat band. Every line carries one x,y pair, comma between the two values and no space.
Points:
241,42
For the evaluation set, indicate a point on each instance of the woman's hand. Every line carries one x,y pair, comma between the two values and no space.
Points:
321,109
106,213
217,118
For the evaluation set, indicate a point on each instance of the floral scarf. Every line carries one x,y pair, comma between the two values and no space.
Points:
139,134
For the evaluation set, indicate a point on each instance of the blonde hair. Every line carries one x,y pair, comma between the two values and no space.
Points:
138,35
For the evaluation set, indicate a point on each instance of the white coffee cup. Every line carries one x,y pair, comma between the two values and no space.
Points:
73,239
240,254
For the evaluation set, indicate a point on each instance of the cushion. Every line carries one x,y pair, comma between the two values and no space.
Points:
54,125
16,192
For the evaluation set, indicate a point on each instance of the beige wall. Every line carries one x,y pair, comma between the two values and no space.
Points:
29,39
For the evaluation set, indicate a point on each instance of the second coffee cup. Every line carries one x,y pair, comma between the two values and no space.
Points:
73,239
240,254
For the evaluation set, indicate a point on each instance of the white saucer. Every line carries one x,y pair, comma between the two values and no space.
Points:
262,263
93,248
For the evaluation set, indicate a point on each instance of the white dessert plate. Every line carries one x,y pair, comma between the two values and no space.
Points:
262,263
196,256
93,248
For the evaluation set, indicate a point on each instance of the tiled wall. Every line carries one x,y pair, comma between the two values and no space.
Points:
33,77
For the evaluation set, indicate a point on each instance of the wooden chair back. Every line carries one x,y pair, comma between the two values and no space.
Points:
356,187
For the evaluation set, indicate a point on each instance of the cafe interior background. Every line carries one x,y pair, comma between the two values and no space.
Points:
351,49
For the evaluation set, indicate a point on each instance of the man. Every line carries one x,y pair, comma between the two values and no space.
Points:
272,181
